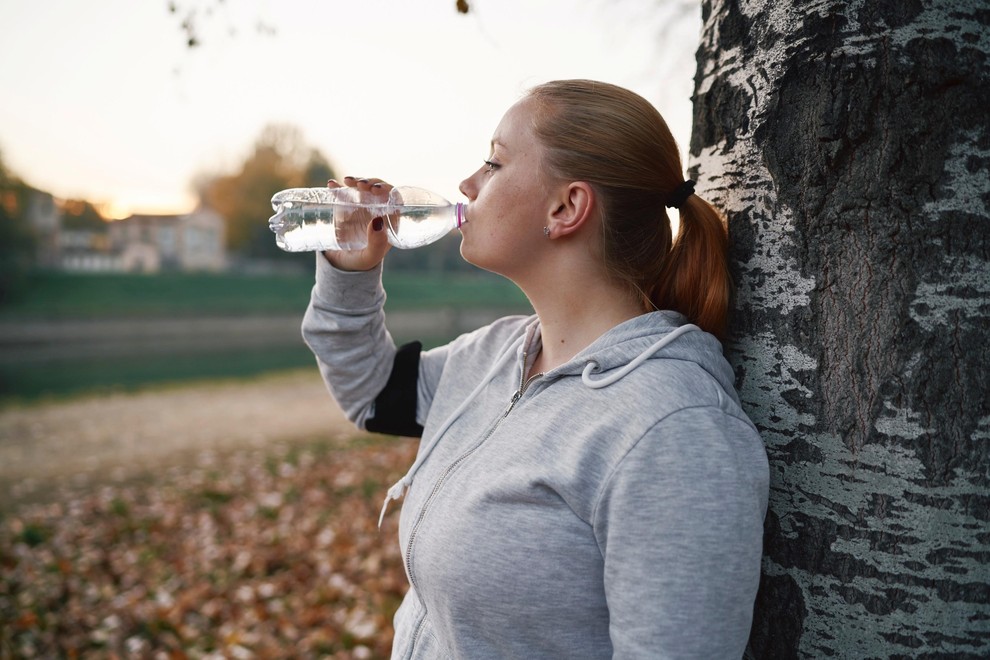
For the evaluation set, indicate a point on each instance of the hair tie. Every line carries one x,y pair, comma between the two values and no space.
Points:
680,194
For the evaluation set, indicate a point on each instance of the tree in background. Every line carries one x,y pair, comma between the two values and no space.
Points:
849,143
280,159
17,240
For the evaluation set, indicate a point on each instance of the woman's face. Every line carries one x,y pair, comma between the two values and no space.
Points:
509,199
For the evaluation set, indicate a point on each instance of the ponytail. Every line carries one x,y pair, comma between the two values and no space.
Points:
694,279
618,142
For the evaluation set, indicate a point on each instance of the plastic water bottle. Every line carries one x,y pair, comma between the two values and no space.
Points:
312,219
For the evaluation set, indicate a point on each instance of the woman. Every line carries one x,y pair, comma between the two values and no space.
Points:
587,485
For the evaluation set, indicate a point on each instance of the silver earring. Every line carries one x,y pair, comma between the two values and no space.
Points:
546,232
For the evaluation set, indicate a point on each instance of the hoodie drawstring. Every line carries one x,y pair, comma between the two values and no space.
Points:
592,366
399,488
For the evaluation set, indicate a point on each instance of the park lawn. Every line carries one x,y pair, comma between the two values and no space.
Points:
93,296
62,297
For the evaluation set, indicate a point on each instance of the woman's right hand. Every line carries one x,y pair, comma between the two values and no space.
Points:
378,244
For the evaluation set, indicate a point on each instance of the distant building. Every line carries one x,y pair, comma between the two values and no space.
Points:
85,250
138,244
152,243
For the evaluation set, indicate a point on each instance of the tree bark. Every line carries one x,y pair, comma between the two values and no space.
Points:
848,143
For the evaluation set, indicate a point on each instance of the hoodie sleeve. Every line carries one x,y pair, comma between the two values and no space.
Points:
680,524
344,326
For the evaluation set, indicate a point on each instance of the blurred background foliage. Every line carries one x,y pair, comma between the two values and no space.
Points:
280,159
17,240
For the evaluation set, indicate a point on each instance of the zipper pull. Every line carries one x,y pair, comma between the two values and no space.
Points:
512,403
522,390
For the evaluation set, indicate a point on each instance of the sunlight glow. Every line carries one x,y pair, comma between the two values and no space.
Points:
132,116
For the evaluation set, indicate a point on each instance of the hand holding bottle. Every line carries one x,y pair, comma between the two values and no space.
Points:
373,253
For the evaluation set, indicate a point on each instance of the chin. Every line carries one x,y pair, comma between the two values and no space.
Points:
475,259
466,252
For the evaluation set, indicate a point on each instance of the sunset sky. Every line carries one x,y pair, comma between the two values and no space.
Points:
104,101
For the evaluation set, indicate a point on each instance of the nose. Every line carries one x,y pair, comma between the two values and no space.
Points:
468,188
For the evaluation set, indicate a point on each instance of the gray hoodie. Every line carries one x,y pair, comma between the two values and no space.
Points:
611,507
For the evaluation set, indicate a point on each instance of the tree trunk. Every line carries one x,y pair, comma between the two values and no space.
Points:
848,143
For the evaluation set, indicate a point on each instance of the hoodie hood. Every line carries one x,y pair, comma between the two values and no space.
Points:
657,335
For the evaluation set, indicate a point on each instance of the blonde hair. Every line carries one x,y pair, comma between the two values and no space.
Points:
617,141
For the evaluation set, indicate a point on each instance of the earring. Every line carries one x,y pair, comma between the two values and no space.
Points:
546,232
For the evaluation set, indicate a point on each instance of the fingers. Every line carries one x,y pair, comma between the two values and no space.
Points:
376,227
378,238
374,186
360,183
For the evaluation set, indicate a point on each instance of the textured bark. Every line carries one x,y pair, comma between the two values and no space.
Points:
849,144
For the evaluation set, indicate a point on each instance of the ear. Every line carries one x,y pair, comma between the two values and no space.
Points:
575,208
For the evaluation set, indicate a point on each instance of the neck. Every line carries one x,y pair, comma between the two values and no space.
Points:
572,318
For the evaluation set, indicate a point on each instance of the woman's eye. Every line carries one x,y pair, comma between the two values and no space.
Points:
490,166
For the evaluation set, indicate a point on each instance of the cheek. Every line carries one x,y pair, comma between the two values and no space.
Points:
482,243
472,250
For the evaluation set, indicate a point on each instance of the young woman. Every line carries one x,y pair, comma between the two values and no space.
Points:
587,485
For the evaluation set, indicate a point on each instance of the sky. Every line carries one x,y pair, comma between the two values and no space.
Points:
104,100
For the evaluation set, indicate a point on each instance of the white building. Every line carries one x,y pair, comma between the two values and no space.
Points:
151,243
141,243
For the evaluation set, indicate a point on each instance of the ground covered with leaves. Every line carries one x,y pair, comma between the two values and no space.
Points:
247,554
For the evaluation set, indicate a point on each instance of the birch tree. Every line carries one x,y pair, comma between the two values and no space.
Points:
849,144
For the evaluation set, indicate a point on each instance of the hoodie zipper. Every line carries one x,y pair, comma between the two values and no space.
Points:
523,386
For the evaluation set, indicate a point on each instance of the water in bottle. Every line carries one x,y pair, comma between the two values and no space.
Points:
312,219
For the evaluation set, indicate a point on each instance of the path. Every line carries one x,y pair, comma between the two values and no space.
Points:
121,436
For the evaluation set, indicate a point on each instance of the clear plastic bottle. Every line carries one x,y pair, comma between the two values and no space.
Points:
316,219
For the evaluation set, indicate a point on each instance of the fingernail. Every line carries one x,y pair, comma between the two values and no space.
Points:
376,185
331,182
348,177
362,180
377,224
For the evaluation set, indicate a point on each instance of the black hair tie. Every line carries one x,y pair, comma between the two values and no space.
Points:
680,194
